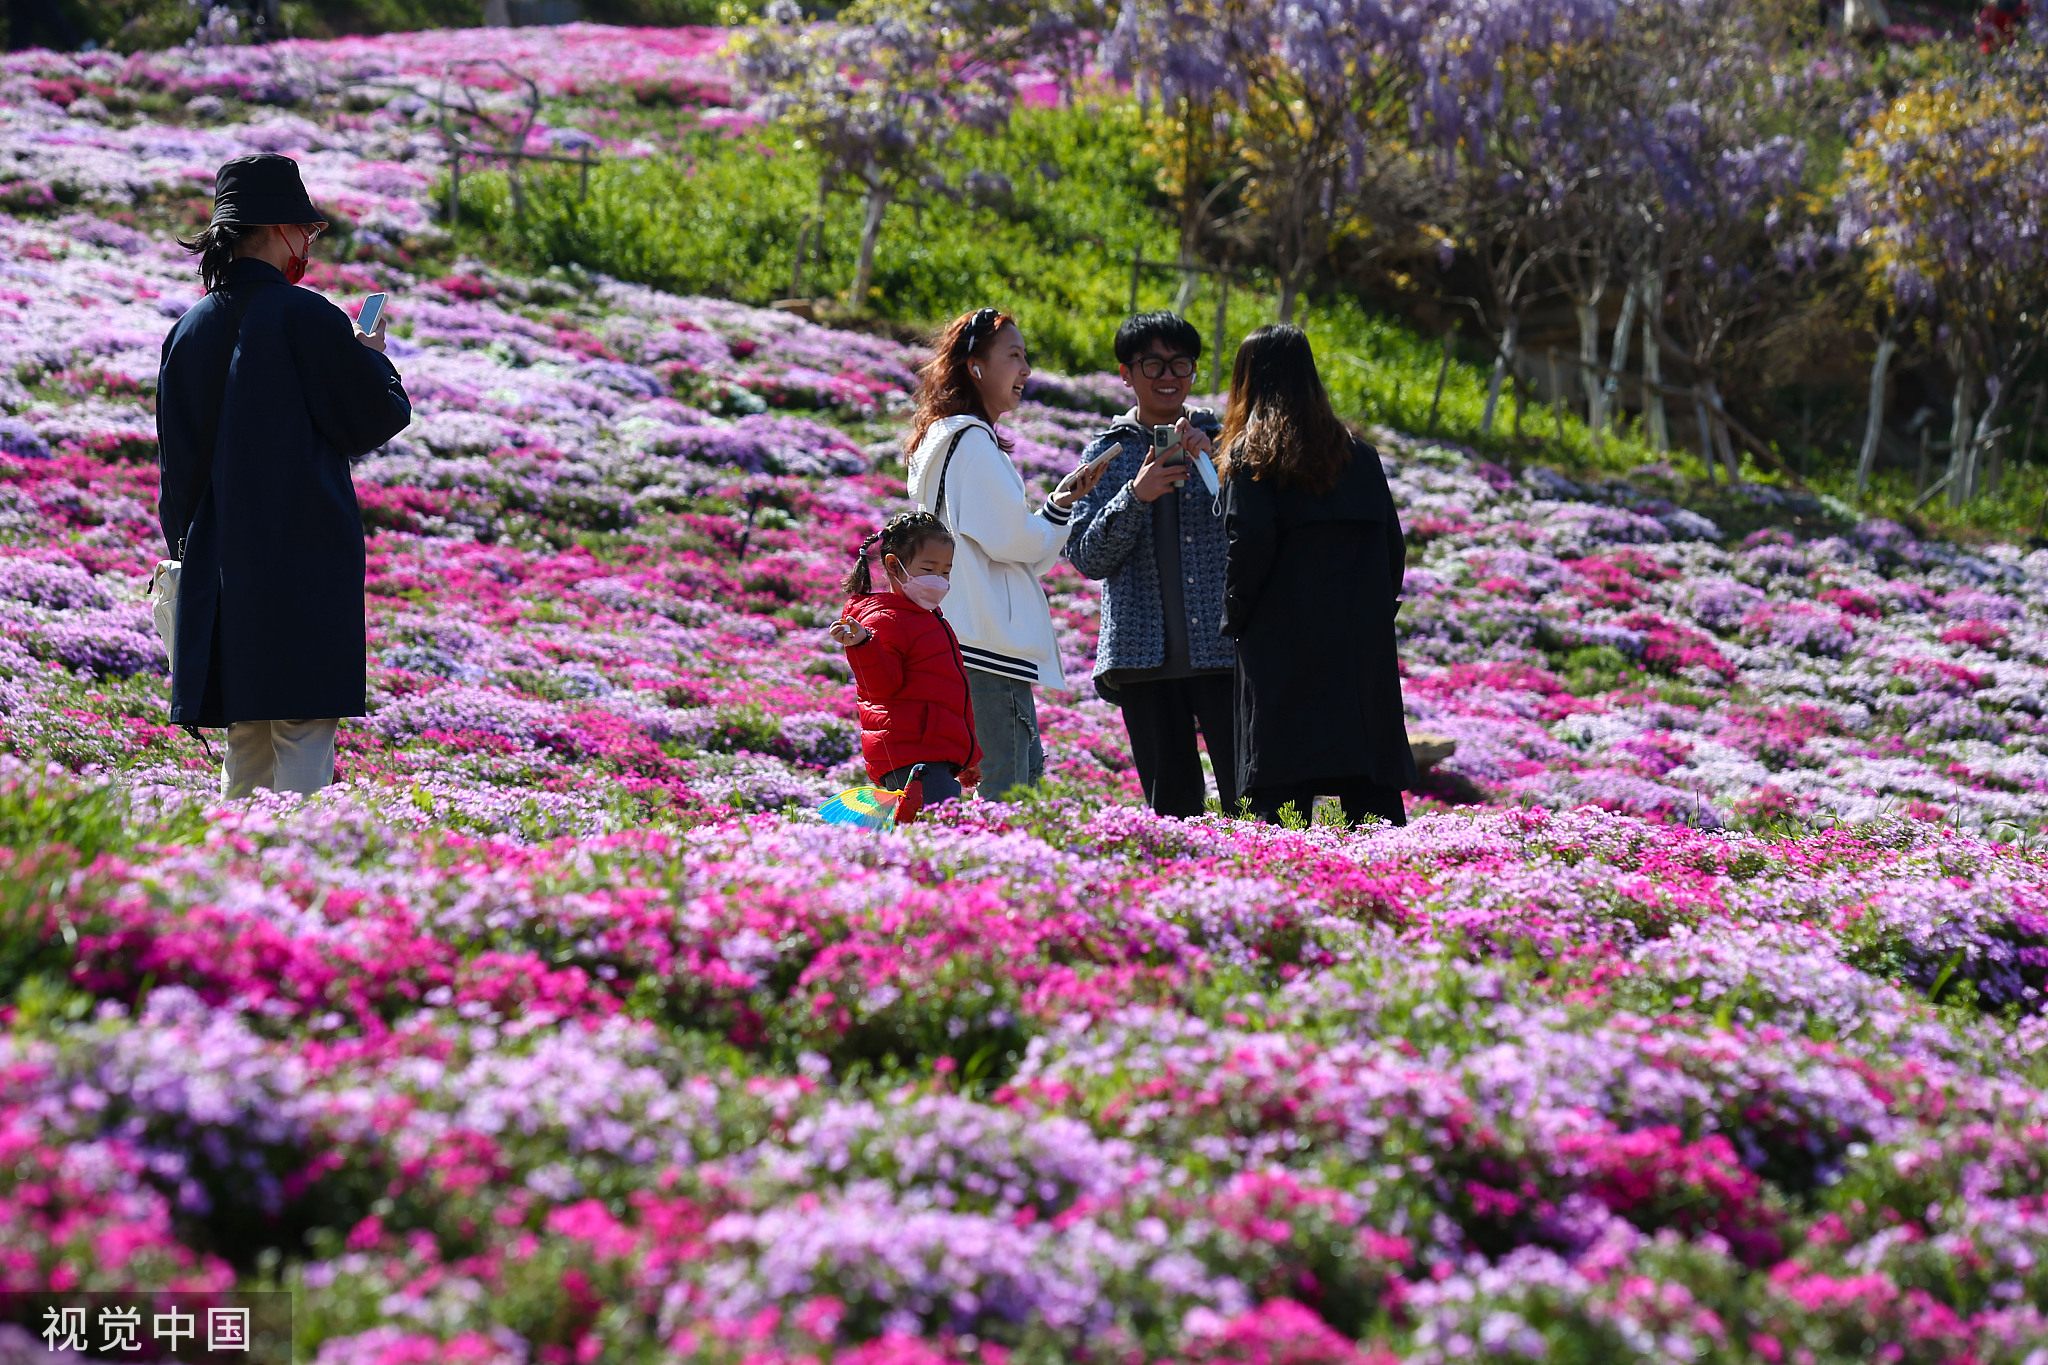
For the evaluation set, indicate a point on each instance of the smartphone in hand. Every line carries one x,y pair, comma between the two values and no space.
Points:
373,309
1166,445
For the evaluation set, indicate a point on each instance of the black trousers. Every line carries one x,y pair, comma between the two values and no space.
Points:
1161,718
1360,798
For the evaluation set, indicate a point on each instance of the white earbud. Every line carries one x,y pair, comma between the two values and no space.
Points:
976,369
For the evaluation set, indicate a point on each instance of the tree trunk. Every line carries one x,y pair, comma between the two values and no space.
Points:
1983,466
1617,361
870,233
1962,453
1699,410
1873,426
1589,365
1503,360
1290,291
1653,370
1721,441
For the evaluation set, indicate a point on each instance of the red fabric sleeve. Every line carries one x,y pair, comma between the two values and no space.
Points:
878,661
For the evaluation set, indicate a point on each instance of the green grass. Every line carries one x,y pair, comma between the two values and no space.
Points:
720,215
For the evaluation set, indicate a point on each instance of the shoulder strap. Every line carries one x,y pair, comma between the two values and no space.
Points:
945,468
238,309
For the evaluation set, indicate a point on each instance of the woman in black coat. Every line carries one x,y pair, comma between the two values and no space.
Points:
1310,586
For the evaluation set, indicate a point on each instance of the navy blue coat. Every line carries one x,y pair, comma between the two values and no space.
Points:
1310,591
270,608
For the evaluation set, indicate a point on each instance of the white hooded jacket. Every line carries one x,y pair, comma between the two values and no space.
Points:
1000,548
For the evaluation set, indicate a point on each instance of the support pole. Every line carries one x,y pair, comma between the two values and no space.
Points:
1222,321
1137,261
454,188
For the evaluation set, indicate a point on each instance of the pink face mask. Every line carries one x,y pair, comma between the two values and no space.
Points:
927,590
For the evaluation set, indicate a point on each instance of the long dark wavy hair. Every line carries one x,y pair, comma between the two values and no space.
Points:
1279,423
215,244
903,535
944,386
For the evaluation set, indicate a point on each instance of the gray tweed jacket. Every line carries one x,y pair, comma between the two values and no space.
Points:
1111,539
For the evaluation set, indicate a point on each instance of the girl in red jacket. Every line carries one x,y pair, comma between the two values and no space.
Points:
914,706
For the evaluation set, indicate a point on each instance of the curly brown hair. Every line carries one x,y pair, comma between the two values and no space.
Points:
944,387
1279,420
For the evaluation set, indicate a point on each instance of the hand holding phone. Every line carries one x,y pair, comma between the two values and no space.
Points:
1165,468
1082,481
370,323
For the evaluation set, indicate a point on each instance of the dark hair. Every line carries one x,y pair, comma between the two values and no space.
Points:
944,388
1279,421
1140,330
215,245
903,535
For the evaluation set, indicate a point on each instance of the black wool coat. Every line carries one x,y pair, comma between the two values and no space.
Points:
270,606
1309,595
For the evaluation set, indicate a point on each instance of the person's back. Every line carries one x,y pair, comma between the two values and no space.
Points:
1311,585
265,394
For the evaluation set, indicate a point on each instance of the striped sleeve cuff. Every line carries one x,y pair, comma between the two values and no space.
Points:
1057,515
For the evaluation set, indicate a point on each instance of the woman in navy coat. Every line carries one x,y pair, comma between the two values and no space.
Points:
265,395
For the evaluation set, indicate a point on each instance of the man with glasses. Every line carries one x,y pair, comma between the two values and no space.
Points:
1149,530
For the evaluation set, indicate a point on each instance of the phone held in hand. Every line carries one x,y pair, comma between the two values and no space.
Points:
373,308
1166,445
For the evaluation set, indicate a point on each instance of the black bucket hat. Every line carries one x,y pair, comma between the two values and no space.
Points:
262,189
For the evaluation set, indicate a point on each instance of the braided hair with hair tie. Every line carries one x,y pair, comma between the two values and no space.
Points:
903,535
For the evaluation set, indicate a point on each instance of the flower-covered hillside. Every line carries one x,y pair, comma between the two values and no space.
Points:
596,549
1068,1081
618,515
562,1032
144,132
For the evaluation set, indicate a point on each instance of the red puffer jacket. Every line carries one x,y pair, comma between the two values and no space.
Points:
912,686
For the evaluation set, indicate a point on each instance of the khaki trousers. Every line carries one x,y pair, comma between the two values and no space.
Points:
283,755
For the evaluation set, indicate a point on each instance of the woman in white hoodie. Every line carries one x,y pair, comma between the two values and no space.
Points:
960,470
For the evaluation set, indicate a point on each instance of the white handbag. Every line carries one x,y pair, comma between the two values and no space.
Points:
163,587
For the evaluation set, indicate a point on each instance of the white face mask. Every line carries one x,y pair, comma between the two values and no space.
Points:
927,590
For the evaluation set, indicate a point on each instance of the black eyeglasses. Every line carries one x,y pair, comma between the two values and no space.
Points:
978,326
1156,366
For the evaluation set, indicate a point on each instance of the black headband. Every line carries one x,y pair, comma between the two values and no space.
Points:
983,321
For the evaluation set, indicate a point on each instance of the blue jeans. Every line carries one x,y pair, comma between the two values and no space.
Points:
1006,725
937,779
